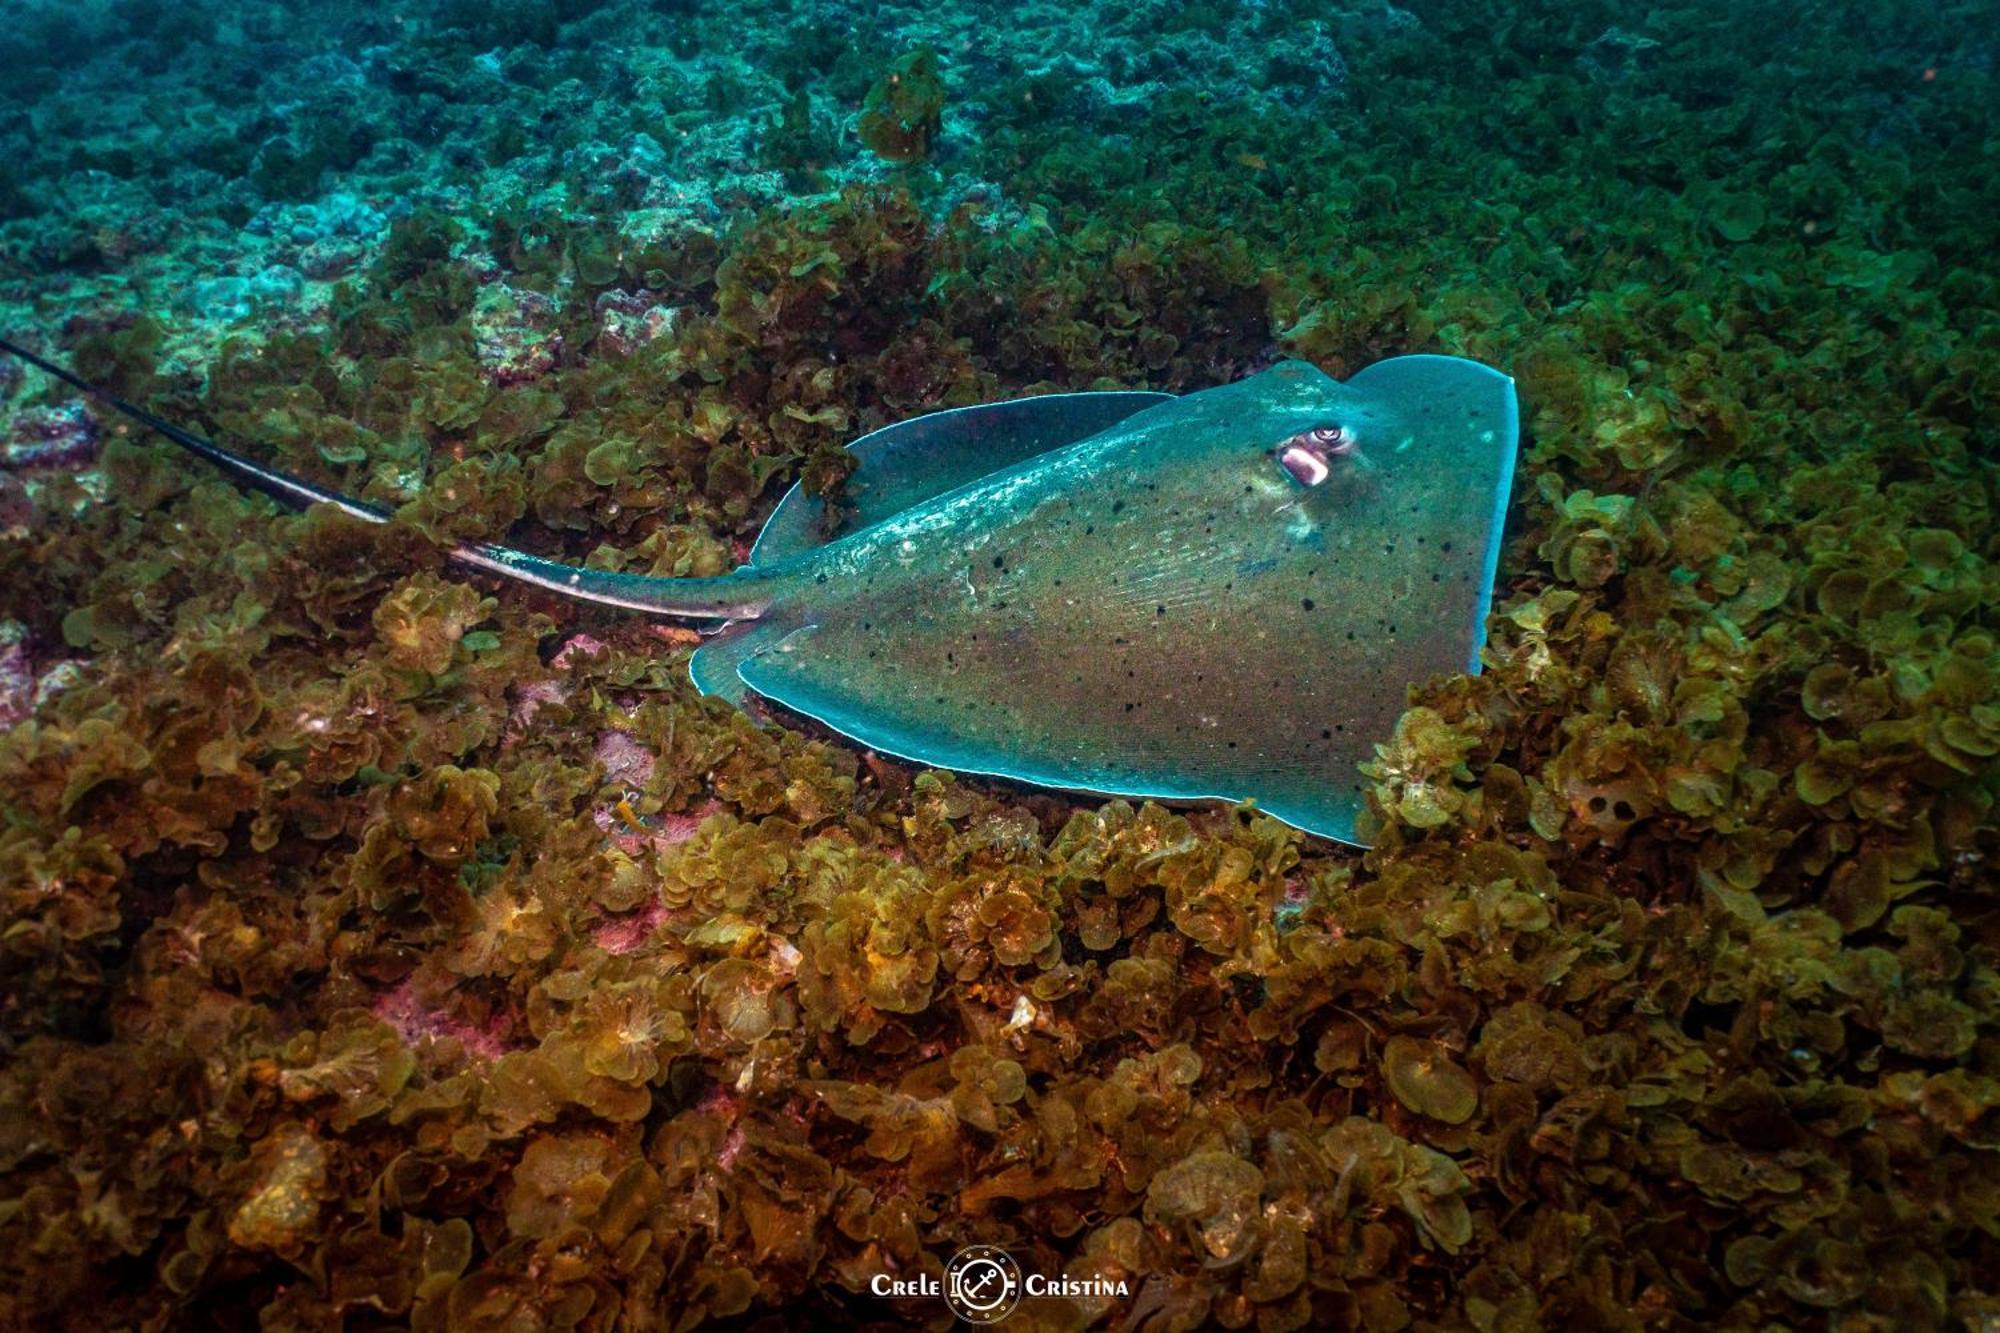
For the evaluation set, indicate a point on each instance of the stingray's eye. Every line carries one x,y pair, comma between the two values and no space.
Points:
1308,456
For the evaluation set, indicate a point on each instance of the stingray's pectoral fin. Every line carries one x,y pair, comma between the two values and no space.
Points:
799,668
1443,389
924,457
1469,416
717,667
1321,807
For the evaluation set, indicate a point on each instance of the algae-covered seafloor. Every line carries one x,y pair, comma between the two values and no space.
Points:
383,948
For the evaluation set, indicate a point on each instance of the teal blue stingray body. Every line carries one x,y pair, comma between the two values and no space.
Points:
1223,596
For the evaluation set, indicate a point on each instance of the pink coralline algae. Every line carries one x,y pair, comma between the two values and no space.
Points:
416,1023
529,699
718,1102
61,437
17,675
514,334
674,829
626,762
732,1147
656,832
25,684
628,321
1291,904
576,647
17,506
629,932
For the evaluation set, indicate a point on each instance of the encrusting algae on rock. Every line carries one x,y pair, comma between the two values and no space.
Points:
381,948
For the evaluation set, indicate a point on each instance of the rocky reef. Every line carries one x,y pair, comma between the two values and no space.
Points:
379,948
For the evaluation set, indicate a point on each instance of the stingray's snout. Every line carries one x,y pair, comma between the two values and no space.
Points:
1309,455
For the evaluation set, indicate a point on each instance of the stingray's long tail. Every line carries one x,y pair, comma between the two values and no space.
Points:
737,596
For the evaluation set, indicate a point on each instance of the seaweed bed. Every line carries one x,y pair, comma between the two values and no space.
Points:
380,948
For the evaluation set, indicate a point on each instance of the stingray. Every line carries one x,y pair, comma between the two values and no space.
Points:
1223,596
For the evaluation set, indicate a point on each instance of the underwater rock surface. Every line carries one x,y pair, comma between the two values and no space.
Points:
379,948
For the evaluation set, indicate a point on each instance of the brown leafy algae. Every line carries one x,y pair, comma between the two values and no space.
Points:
378,952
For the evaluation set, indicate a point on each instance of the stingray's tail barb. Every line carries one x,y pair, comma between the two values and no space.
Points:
737,596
